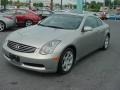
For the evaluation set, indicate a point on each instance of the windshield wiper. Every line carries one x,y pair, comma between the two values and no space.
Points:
42,25
56,27
51,26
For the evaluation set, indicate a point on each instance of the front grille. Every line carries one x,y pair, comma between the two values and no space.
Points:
20,47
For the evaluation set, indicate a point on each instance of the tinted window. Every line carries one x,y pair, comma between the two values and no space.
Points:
99,22
21,12
91,21
62,21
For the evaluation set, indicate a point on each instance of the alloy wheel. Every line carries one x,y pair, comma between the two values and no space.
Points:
2,26
106,43
67,62
28,23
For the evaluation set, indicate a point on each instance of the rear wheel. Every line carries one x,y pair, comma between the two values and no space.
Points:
28,23
2,26
106,43
66,61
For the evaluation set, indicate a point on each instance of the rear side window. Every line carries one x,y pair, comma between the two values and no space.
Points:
100,23
91,21
21,12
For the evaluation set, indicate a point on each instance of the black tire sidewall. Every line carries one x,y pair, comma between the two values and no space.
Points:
108,43
60,69
27,21
4,25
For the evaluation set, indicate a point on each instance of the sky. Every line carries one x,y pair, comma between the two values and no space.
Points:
67,1
64,1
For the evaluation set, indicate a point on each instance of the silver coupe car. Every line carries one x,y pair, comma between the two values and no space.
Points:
57,42
6,21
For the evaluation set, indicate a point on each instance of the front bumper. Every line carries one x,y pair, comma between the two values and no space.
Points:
31,61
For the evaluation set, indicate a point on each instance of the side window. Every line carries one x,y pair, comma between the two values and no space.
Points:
100,23
91,21
21,12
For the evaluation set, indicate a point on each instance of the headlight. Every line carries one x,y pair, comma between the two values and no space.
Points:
49,47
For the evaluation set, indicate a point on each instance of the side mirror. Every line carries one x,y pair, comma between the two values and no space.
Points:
87,28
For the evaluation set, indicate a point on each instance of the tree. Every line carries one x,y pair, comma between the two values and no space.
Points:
116,3
4,3
38,4
107,2
94,6
35,4
10,2
74,6
65,6
17,3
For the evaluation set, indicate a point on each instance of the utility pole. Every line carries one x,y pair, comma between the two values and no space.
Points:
85,6
4,3
29,4
113,1
51,5
61,4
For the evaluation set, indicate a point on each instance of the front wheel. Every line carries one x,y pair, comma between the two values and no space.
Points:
66,61
28,23
2,26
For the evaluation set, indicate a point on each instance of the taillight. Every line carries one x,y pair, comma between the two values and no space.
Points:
8,17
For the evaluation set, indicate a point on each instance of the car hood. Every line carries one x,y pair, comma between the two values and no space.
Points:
37,35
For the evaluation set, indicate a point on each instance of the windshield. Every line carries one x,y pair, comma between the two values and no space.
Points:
62,21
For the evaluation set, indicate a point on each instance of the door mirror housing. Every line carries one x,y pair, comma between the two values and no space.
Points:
87,28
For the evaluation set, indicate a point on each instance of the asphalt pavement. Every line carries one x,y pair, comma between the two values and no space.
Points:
98,71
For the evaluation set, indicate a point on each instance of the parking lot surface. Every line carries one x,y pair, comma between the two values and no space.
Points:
98,71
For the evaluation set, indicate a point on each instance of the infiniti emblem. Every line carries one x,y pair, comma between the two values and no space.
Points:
17,46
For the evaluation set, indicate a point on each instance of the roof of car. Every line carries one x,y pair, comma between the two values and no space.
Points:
75,12
70,13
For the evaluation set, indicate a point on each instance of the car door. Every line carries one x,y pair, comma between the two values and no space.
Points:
20,16
101,31
88,40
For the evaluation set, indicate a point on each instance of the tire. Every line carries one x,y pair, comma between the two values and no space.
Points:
106,43
66,61
28,23
2,26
